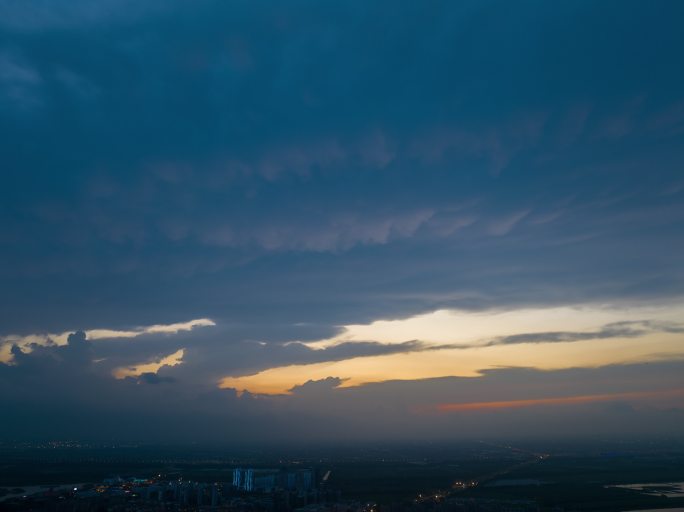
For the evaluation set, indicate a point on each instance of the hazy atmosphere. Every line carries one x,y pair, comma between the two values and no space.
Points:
230,221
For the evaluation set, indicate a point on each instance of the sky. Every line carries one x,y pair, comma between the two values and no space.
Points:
230,221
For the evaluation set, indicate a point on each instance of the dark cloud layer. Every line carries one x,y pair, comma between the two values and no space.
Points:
288,168
203,160
60,387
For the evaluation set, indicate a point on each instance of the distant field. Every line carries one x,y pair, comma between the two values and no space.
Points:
589,482
575,480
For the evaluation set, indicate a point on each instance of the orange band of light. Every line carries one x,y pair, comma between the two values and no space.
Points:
579,399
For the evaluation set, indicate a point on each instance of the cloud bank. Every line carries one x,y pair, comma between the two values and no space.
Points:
362,208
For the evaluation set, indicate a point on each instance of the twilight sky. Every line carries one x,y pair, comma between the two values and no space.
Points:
227,220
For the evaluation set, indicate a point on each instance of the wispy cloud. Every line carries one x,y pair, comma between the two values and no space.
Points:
625,329
26,342
149,367
504,225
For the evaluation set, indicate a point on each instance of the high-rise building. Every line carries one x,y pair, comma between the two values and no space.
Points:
249,480
237,477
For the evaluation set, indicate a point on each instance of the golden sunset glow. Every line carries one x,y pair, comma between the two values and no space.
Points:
466,362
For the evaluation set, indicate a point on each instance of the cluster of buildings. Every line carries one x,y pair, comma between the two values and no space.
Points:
252,490
268,480
183,493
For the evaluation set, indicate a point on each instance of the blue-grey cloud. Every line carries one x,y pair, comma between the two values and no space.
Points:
627,329
288,169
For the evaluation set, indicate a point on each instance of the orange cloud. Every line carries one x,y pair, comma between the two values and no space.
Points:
579,399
